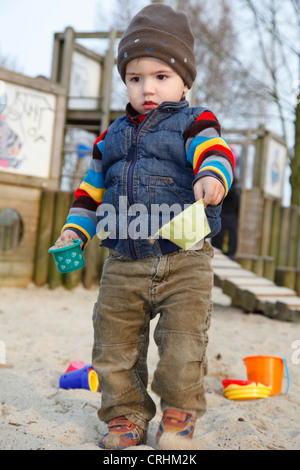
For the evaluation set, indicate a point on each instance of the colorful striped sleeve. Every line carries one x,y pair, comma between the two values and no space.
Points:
209,153
82,217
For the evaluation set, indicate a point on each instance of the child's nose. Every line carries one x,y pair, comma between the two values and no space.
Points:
148,88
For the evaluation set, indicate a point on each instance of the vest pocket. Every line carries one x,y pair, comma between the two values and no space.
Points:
164,190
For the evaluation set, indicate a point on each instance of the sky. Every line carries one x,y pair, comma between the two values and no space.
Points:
27,28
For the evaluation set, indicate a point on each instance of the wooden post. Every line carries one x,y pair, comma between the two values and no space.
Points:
246,261
258,265
55,59
293,236
103,255
298,245
275,230
72,279
61,73
269,267
243,199
284,236
107,84
66,57
285,276
250,225
266,226
295,161
91,275
44,238
263,159
61,209
259,152
297,282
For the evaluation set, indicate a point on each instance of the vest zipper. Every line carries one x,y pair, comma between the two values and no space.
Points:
136,132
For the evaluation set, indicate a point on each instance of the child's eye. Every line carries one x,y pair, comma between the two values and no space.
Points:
135,79
161,77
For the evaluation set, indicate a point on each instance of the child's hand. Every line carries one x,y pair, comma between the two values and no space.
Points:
69,235
209,189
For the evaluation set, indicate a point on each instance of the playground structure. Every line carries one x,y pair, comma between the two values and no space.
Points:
36,114
39,113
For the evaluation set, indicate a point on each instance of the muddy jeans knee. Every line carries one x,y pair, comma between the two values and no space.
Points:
181,333
121,338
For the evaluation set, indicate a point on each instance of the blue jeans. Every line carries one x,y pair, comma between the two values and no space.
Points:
177,287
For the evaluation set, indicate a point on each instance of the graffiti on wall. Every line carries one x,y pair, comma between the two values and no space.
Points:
26,130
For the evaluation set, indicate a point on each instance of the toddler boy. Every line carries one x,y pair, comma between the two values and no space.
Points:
160,152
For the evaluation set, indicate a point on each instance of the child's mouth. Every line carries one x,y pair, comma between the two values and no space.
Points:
149,105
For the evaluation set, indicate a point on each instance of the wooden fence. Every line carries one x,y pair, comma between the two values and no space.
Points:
275,249
53,212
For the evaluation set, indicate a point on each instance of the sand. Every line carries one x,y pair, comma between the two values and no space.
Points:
45,330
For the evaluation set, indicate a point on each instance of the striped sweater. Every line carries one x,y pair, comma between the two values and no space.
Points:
208,153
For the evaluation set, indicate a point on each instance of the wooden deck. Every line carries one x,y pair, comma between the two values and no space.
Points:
254,293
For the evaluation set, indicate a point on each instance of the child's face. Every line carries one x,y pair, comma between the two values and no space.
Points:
150,82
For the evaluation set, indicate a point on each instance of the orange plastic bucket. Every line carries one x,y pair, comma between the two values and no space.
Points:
268,370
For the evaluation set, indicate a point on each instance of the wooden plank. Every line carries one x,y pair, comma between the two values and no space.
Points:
17,274
235,285
291,302
284,313
220,274
224,263
248,298
35,83
44,238
271,290
281,311
250,281
16,266
224,272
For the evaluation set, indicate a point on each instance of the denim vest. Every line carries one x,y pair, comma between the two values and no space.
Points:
144,166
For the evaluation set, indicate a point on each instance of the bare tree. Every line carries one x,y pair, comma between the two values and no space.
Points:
8,63
220,79
276,30
124,11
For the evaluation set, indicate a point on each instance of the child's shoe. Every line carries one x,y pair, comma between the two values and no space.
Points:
178,423
122,433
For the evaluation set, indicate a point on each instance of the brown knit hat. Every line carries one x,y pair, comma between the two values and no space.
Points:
160,32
